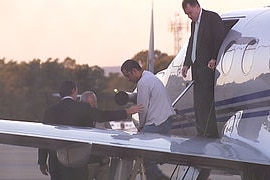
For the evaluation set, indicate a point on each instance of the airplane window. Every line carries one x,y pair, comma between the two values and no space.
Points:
227,58
248,56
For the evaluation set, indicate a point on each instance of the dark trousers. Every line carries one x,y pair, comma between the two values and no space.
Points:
204,106
68,173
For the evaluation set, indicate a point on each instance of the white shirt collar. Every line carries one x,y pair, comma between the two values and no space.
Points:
67,97
200,15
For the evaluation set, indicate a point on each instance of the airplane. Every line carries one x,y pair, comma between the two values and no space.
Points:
242,106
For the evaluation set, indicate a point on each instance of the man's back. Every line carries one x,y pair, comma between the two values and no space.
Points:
69,112
154,97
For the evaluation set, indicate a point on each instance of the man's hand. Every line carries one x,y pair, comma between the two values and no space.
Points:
134,109
44,169
184,71
212,64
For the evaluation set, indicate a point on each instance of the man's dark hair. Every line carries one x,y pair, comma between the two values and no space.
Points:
191,2
130,64
66,88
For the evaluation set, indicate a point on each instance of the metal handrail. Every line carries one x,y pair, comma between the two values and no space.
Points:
183,93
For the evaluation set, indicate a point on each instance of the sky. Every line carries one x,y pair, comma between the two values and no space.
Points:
94,32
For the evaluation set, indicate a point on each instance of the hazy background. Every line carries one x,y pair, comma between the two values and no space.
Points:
103,32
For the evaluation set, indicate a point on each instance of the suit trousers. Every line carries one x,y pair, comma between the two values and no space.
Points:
204,107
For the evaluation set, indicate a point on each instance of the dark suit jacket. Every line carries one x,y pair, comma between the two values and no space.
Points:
70,112
210,36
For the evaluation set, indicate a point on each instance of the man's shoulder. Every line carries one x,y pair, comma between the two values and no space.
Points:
210,13
148,75
148,78
61,104
51,108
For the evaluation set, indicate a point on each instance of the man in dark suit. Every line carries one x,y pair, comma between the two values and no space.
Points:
207,34
70,112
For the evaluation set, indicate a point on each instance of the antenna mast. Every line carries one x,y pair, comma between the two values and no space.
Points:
151,51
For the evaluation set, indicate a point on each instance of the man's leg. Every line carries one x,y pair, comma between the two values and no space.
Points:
204,174
204,107
151,169
103,171
92,168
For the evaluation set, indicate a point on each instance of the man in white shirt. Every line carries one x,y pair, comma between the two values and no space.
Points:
156,116
152,95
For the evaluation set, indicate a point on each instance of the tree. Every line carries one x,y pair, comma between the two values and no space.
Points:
26,89
162,60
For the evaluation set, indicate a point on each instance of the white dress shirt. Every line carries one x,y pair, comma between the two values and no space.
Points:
152,94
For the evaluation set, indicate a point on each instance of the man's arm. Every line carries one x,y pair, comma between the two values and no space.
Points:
143,97
218,33
112,115
188,61
42,161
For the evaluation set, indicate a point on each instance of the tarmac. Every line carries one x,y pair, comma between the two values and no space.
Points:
19,163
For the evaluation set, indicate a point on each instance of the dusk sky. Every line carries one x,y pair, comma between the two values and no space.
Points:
94,32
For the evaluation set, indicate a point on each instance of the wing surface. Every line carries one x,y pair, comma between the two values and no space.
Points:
196,151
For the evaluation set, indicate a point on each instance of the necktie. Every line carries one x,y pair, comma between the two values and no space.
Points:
194,44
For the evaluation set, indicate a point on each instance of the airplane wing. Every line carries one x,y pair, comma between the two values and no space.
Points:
71,142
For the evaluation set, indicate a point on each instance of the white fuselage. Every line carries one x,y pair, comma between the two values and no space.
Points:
242,80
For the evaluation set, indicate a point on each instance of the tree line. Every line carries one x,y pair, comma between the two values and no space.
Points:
28,88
